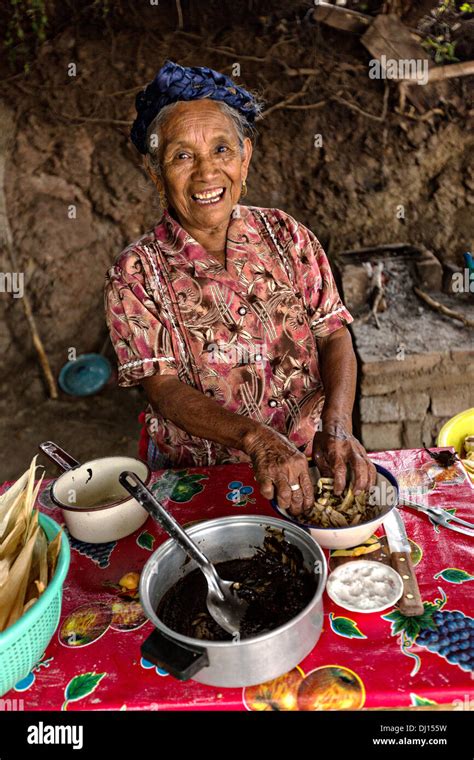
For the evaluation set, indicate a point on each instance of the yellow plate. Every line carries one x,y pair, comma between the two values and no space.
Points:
455,430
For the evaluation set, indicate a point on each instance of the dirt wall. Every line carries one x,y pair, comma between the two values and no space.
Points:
71,152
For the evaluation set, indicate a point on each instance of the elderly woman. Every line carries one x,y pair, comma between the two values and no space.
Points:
228,315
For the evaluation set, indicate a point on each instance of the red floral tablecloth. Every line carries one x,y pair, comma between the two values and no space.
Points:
361,660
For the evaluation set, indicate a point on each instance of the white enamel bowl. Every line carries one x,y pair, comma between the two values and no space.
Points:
96,507
386,496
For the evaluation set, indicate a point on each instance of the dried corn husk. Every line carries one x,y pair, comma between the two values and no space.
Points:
12,544
9,497
12,593
53,553
11,515
27,563
39,567
29,604
4,571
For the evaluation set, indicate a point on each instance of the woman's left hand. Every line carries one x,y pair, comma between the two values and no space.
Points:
334,447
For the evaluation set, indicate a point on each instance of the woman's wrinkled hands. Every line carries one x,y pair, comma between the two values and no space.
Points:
278,465
333,449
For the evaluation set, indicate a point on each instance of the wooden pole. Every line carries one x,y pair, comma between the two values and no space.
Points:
442,309
6,241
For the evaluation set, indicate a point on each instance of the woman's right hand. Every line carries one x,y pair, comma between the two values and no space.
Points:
278,465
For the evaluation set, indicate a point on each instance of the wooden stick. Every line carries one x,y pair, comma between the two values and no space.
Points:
435,74
377,295
424,117
360,110
437,306
37,342
439,73
341,18
379,291
306,106
286,101
180,14
377,248
6,135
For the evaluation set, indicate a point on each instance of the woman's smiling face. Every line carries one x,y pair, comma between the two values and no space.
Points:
203,165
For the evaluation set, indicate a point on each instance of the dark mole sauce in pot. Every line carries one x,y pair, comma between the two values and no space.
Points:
274,582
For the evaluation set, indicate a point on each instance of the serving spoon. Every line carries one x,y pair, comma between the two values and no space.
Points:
223,604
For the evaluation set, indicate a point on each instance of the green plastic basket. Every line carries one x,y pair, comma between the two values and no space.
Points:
23,643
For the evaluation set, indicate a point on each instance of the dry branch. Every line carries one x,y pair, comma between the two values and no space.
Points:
439,73
305,106
6,240
424,117
179,11
341,18
376,248
442,309
377,295
283,103
358,109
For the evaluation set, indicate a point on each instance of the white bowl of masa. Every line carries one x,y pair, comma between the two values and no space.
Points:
364,586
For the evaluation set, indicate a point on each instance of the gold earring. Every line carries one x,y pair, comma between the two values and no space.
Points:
244,189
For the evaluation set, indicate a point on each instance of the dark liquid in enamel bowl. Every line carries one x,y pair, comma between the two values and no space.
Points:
274,581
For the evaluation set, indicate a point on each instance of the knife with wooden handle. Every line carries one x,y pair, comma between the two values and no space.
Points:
410,603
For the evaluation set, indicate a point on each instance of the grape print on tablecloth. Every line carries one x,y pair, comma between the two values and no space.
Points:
447,633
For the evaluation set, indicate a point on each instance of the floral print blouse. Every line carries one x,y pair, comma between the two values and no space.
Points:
243,334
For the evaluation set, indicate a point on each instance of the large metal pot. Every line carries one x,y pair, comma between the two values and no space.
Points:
240,663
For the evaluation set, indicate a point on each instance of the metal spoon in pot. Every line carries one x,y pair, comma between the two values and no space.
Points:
222,602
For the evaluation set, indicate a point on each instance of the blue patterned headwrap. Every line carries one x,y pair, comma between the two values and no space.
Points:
174,82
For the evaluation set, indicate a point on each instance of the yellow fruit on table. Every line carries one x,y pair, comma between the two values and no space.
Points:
279,694
130,581
331,687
